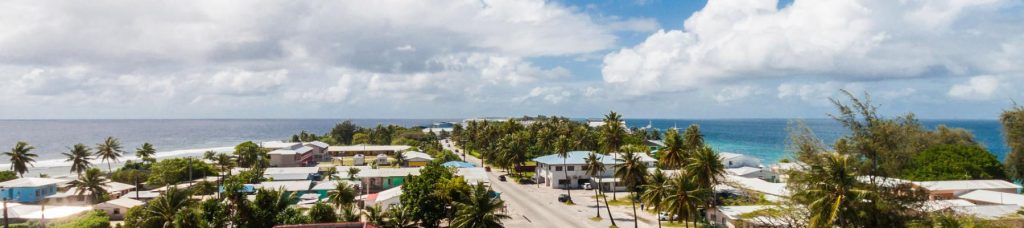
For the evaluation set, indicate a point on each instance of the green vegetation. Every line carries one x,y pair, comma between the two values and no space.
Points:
176,170
954,162
7,175
79,157
21,157
92,219
1013,132
93,183
109,150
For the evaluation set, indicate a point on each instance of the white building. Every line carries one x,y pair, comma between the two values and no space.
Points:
553,173
771,191
988,197
751,172
385,199
734,160
319,150
116,208
474,175
288,186
291,173
646,159
368,150
277,145
951,189
732,216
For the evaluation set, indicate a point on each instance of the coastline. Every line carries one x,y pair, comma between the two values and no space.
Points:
56,168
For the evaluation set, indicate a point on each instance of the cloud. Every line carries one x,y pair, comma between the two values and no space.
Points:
551,94
816,93
734,93
977,88
837,40
247,83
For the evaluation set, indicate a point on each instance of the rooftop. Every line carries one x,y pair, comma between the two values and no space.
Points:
329,185
291,170
994,197
364,147
125,202
318,144
32,182
734,212
757,185
416,155
988,211
573,158
742,170
142,195
458,164
936,205
965,185
474,175
291,186
282,152
389,172
280,145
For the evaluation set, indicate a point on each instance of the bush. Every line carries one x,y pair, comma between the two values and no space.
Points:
94,219
954,162
8,175
173,171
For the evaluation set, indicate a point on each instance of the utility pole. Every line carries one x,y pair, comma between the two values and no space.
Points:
42,219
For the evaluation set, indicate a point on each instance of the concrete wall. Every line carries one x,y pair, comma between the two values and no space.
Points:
28,194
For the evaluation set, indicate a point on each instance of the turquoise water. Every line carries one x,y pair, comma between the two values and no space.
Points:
763,138
766,138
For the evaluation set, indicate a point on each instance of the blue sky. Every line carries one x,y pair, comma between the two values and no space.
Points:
453,59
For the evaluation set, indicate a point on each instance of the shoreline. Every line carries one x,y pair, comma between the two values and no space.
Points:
59,168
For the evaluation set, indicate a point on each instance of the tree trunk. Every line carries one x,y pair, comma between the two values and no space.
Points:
565,170
657,209
597,195
635,215
609,208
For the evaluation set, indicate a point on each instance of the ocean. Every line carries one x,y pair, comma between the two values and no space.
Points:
762,138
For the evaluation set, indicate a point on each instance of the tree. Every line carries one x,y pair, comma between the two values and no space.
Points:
954,162
249,154
93,183
594,169
109,150
672,155
344,132
91,219
7,175
419,192
375,215
480,211
163,209
175,170
614,133
322,213
146,153
214,214
707,170
693,138
562,147
21,157
1013,133
343,195
399,158
400,217
655,191
631,171
352,172
683,197
79,158
360,138
270,208
348,215
832,191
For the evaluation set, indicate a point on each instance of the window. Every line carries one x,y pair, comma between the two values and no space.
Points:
117,211
730,163
572,168
563,181
558,168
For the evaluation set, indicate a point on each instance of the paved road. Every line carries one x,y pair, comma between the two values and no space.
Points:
533,206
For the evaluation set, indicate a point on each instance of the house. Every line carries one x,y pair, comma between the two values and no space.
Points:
781,170
646,159
71,196
278,145
458,164
29,189
385,199
116,208
385,178
951,189
555,172
368,150
325,187
733,216
751,172
297,187
734,160
654,145
742,185
416,158
292,173
343,171
939,205
987,197
474,175
301,156
144,196
319,150
988,212
20,213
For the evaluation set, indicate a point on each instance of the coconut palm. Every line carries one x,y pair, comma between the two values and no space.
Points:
399,158
163,209
352,172
109,150
672,155
594,169
613,136
562,147
683,197
146,152
79,158
655,191
631,172
833,190
209,155
343,195
706,168
400,217
480,211
92,183
21,157
375,215
693,138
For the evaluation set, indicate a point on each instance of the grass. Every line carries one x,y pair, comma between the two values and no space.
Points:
623,200
677,224
596,219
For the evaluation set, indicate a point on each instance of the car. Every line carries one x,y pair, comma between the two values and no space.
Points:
663,216
501,178
587,186
563,198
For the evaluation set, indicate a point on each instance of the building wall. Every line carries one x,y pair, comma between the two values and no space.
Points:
28,194
417,163
741,161
278,160
115,212
717,219
551,174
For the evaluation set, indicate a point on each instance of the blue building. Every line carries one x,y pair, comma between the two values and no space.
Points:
29,189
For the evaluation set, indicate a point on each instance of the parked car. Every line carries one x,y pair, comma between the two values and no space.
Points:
501,178
587,186
563,198
663,216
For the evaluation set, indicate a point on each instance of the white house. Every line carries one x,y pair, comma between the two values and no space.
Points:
116,208
553,173
385,199
416,158
953,188
771,191
751,172
277,145
646,159
144,196
988,197
319,150
300,156
368,150
731,217
291,173
474,175
734,160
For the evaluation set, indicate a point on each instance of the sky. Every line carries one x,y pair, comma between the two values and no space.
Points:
940,59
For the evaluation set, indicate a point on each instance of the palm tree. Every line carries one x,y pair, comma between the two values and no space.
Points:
21,157
707,170
655,191
109,150
632,172
480,211
683,197
399,158
163,209
400,217
352,172
209,155
693,138
79,158
594,169
832,189
614,134
93,183
342,195
672,155
562,147
375,215
146,152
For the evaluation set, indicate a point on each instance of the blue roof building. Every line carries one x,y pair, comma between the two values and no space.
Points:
29,189
458,164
